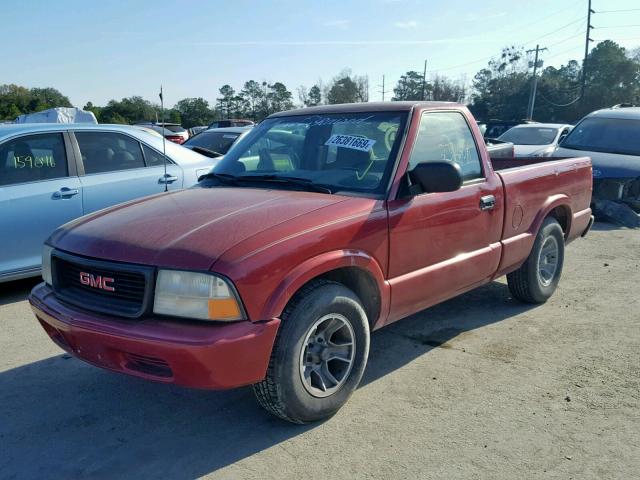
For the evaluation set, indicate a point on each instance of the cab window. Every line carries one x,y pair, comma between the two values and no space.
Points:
446,136
33,158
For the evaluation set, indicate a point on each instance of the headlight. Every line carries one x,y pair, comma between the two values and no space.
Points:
46,264
195,295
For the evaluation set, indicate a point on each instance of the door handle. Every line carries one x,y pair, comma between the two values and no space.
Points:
487,202
66,192
167,179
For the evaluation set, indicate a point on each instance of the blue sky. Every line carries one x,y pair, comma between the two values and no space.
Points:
96,51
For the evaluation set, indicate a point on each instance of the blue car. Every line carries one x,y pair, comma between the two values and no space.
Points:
53,173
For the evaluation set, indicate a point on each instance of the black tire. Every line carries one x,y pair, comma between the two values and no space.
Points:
282,392
528,283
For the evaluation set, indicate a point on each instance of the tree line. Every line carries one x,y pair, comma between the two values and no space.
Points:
499,91
611,76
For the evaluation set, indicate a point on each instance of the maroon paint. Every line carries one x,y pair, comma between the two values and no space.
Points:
197,355
419,251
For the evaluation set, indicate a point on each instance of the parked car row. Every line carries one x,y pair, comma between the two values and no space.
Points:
53,173
215,142
178,134
535,139
611,137
173,132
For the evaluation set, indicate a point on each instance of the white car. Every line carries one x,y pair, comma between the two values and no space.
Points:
535,139
173,132
216,142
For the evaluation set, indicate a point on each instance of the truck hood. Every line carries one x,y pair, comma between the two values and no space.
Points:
188,229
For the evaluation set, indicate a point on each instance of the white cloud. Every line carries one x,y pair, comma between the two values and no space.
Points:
406,25
342,24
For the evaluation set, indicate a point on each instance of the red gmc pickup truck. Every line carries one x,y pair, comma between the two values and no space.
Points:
319,226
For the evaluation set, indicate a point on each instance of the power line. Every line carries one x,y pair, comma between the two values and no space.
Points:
590,11
621,26
557,29
520,27
535,22
616,40
566,39
453,67
621,10
463,64
564,51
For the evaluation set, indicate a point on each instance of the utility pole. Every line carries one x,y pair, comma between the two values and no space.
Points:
586,48
534,82
382,88
424,82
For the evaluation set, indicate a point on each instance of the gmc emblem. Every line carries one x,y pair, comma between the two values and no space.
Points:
97,281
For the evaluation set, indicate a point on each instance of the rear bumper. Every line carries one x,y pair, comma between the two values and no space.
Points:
191,354
589,225
580,224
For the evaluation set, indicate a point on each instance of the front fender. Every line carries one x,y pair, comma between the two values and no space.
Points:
319,265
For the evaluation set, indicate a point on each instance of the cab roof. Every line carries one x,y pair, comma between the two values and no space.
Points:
366,107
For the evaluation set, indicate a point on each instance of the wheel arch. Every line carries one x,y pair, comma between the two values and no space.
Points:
356,270
558,207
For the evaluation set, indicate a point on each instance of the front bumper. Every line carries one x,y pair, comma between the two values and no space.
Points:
191,354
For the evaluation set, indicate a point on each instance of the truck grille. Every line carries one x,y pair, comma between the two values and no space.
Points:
107,287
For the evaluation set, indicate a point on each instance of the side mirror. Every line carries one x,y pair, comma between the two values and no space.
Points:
437,176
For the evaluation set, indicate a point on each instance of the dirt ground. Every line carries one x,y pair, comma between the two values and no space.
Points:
478,387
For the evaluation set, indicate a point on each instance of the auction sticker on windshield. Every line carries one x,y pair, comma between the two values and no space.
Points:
350,141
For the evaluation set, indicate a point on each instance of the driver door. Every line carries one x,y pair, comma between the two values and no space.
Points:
444,243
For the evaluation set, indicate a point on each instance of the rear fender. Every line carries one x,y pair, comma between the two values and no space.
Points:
319,265
517,248
560,200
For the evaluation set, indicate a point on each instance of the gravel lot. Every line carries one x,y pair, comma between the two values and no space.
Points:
478,387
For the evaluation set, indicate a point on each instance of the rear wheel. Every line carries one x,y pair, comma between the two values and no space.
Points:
319,355
538,277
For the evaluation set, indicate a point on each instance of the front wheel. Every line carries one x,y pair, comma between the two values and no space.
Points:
319,355
538,277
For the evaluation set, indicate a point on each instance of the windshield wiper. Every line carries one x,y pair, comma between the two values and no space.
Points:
206,152
298,181
223,177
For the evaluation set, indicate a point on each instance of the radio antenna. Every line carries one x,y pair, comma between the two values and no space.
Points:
164,142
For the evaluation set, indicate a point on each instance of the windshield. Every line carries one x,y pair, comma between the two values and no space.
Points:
345,152
215,141
494,131
610,135
530,135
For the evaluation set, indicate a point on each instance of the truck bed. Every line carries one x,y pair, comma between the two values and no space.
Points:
506,163
527,183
